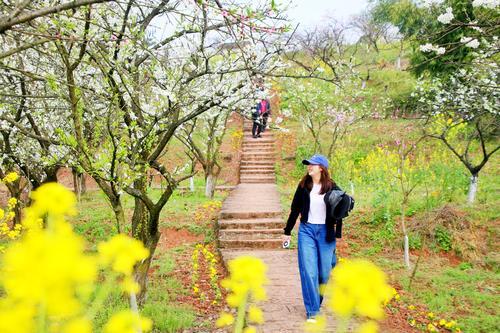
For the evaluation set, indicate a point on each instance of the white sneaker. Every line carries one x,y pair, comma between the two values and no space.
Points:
311,320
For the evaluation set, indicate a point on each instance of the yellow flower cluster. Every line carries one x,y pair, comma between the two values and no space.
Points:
127,321
247,277
208,211
12,234
6,218
434,325
211,260
196,272
212,272
46,274
450,326
10,177
236,139
358,287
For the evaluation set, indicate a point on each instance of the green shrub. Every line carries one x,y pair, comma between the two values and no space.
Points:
415,241
443,238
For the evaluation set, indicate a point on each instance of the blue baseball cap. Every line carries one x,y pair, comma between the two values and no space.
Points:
317,159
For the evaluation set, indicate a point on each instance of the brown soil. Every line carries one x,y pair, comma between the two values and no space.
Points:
171,238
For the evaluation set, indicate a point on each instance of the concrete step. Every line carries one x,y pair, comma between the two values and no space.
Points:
257,167
248,234
257,152
257,156
228,214
256,163
258,181
264,177
262,139
256,145
254,224
251,244
251,172
253,158
258,149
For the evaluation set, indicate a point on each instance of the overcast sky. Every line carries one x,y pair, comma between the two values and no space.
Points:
310,13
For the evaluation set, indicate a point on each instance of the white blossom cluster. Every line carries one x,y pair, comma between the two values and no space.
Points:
486,3
470,42
446,17
467,94
432,48
429,3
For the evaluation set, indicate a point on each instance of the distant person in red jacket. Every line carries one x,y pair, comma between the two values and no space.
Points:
264,109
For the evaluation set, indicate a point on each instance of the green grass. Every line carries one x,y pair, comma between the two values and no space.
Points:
161,305
96,221
468,295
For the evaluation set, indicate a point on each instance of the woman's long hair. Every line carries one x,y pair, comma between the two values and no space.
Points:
327,183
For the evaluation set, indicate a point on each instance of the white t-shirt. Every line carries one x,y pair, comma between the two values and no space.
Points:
317,209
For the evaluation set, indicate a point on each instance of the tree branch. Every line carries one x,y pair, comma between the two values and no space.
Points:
6,23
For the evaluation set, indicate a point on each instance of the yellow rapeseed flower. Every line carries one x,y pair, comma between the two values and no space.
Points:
255,315
225,319
127,321
121,253
358,287
247,277
12,203
53,199
250,329
368,327
129,285
2,213
431,328
78,325
46,276
11,177
56,258
16,317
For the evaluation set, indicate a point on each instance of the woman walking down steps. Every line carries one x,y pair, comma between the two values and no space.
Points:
251,223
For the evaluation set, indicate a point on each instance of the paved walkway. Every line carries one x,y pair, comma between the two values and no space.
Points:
251,223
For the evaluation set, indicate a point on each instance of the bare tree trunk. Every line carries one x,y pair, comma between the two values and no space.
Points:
210,181
191,184
78,181
117,207
406,241
471,196
145,229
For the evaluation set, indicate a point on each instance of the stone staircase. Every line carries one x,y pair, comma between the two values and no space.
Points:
251,216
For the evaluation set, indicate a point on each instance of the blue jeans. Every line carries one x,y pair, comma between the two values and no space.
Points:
316,259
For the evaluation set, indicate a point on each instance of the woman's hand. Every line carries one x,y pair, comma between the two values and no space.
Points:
286,241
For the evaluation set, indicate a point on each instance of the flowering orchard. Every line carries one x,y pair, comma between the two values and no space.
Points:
105,89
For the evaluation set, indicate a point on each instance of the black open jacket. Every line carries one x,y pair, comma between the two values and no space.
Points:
300,205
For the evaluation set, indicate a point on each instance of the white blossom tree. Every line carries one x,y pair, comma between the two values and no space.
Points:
125,89
462,112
